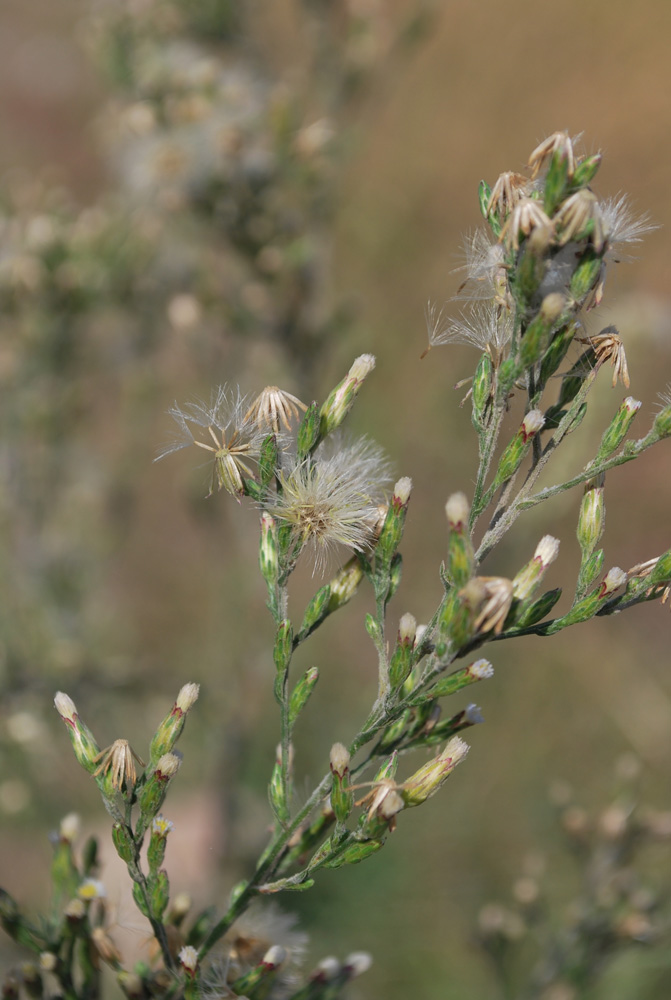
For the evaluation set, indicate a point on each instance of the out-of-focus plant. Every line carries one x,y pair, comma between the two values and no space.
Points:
547,944
542,263
214,237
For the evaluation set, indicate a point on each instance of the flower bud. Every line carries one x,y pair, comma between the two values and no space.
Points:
662,423
615,433
430,778
401,659
188,959
537,335
482,389
70,828
479,670
160,828
152,794
268,560
514,453
392,529
529,577
357,963
344,584
301,693
84,745
123,842
613,580
342,797
159,892
308,435
460,556
171,728
340,400
592,517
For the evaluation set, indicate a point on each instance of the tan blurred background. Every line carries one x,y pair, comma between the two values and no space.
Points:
181,600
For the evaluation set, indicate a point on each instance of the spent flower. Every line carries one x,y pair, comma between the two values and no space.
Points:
225,428
332,498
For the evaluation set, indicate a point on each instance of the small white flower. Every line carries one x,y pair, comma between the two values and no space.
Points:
90,889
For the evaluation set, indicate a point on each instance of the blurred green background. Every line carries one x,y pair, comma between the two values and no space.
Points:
132,273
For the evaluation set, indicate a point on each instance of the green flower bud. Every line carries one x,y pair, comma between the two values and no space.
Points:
592,516
529,577
430,778
268,547
585,275
401,659
123,842
482,389
140,901
585,171
556,352
316,611
83,743
662,424
355,853
308,436
460,555
537,610
160,828
484,194
344,584
342,797
557,181
536,337
153,792
661,572
159,893
268,459
479,670
341,399
590,568
301,693
283,646
514,453
392,529
171,728
616,432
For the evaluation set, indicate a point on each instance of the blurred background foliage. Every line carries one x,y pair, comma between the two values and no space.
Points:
208,191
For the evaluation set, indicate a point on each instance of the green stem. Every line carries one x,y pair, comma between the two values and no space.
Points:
496,532
490,435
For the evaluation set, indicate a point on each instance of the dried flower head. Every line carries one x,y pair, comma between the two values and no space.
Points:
507,191
333,499
497,597
558,143
272,407
527,215
608,345
120,759
580,216
485,270
487,327
228,433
